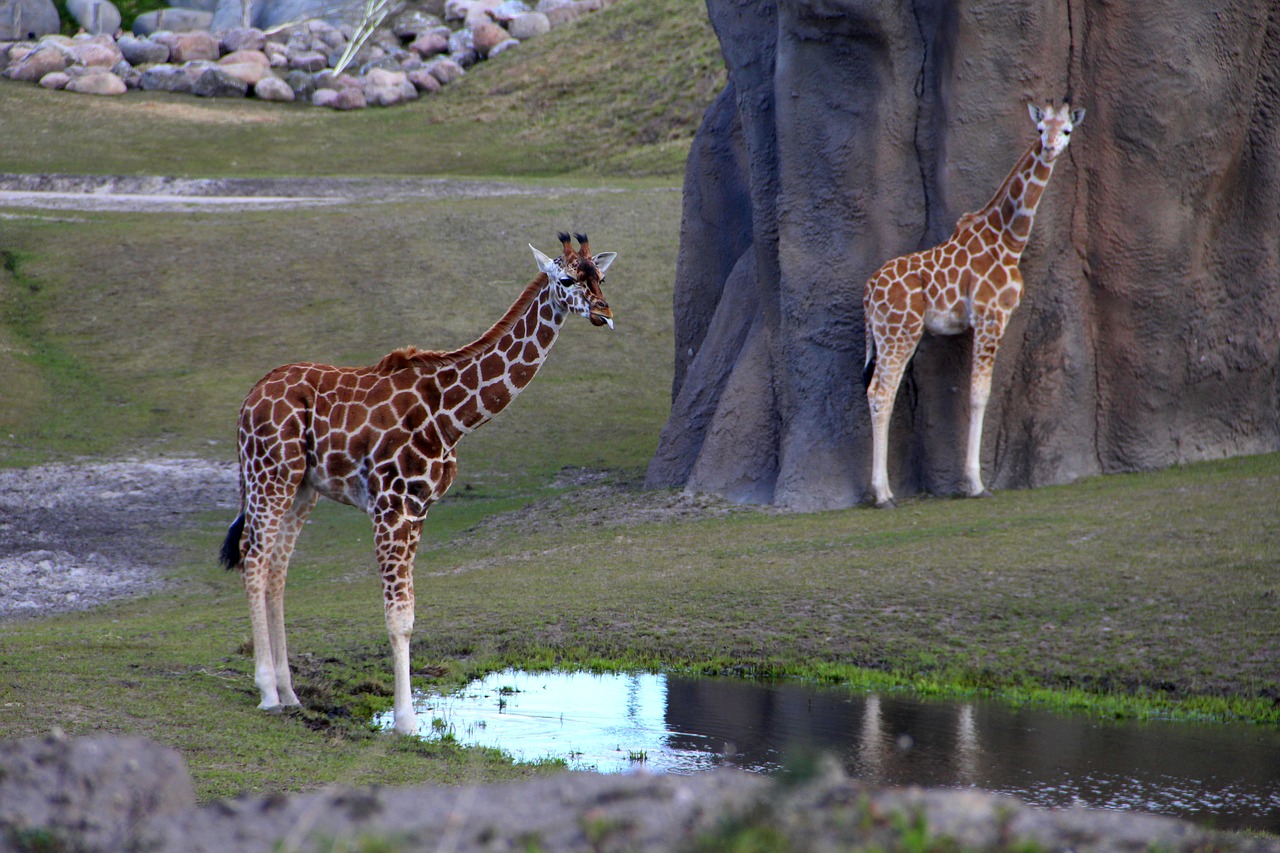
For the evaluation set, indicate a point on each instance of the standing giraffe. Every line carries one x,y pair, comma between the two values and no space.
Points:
969,282
382,439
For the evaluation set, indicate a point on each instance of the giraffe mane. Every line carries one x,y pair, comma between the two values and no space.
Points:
411,357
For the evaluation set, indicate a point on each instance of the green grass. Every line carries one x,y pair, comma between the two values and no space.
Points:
139,334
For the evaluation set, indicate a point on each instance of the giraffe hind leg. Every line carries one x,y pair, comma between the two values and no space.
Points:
290,527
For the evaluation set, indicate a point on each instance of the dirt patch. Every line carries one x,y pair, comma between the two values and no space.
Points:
74,536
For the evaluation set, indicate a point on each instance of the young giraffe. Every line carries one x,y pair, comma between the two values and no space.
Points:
382,438
970,281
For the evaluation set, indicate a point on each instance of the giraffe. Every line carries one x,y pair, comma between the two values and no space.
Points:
382,438
971,281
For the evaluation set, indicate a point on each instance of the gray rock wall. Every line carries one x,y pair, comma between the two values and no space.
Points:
853,131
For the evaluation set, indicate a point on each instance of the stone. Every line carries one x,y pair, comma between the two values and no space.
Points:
165,78
217,82
245,57
340,99
242,38
277,54
508,10
192,46
272,88
28,19
424,81
529,25
479,12
249,73
302,84
429,44
1163,218
45,59
308,60
142,51
565,13
98,51
100,83
95,16
503,47
465,58
456,10
413,23
445,70
172,20
486,37
55,80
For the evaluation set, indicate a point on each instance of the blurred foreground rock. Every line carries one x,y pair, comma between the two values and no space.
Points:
122,793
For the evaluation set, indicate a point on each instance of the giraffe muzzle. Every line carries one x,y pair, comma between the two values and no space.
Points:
601,315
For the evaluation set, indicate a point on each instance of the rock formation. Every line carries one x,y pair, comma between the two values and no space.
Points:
853,131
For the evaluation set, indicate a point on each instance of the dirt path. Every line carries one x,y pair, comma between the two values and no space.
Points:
123,193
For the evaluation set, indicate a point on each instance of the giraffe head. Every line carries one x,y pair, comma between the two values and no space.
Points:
1054,125
575,279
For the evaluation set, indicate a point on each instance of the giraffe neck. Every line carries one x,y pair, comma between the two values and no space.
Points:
478,380
1016,200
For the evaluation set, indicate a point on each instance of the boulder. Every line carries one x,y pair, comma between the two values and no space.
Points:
272,88
486,37
340,99
529,25
95,16
852,132
413,23
429,44
219,82
503,47
445,70
45,59
508,10
277,54
480,12
242,38
308,60
100,83
97,52
563,13
166,78
172,20
194,46
55,80
302,84
28,19
142,51
424,81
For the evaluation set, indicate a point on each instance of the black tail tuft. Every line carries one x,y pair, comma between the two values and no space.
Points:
229,556
869,369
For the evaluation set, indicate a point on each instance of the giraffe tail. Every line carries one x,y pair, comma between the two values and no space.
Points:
869,367
229,556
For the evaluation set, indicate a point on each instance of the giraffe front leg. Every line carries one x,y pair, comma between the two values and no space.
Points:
255,576
891,363
397,535
986,342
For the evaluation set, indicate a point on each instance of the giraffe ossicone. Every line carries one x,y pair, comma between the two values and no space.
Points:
971,281
382,438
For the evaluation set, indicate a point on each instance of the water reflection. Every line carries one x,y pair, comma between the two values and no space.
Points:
1228,776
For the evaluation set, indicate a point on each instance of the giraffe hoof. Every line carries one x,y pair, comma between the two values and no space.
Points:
886,503
982,494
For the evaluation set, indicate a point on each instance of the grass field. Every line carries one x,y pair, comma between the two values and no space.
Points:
137,334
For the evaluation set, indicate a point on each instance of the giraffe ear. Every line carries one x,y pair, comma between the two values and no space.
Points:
1077,117
545,264
603,260
1037,114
